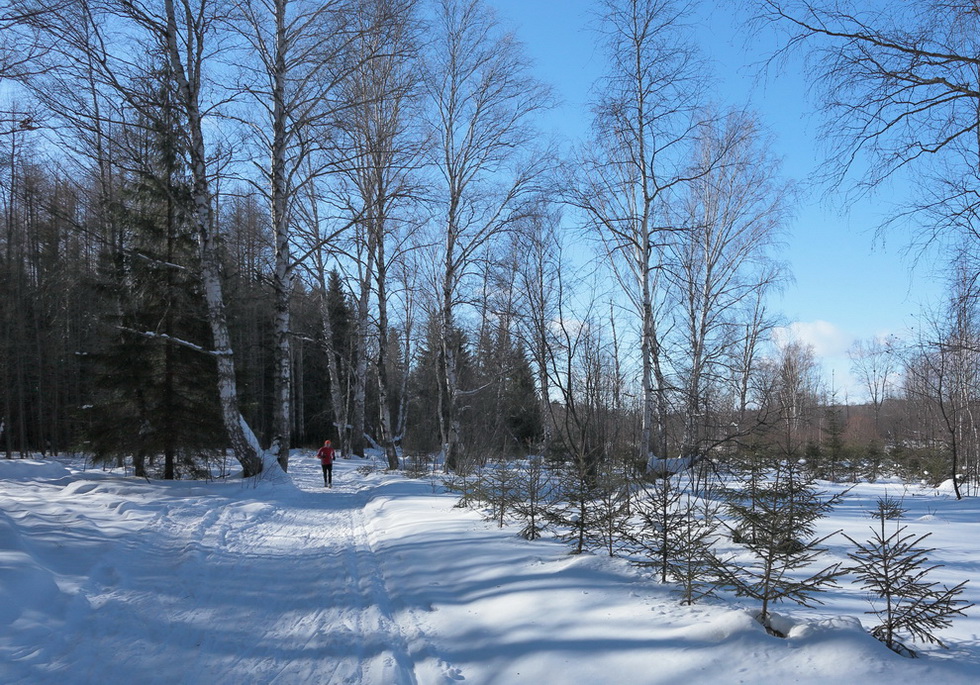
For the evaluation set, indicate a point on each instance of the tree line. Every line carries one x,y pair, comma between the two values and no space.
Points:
250,225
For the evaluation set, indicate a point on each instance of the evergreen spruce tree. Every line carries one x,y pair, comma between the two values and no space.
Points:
574,511
674,535
524,422
505,415
423,431
893,568
834,448
340,309
156,393
650,543
496,488
612,506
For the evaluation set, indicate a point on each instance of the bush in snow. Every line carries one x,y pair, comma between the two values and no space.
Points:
892,567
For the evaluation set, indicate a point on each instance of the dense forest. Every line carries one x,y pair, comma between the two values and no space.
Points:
240,227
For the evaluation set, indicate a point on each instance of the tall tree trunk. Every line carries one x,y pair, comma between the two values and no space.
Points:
359,417
283,275
337,404
243,441
449,384
387,435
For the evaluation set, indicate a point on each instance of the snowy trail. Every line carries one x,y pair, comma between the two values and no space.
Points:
175,587
109,579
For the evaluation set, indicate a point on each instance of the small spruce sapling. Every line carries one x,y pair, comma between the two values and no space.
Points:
495,488
611,506
775,522
651,544
533,494
674,534
463,480
892,567
573,511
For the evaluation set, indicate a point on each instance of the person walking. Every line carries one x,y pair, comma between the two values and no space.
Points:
326,457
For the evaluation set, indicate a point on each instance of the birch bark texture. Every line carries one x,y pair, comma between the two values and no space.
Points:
298,54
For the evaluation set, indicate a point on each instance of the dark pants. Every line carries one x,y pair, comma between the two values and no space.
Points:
328,474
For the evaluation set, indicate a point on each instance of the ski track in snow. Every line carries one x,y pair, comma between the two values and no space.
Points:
172,587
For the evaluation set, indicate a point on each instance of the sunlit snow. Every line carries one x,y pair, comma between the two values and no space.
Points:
108,578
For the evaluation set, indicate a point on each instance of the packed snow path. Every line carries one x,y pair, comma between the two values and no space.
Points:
378,581
206,584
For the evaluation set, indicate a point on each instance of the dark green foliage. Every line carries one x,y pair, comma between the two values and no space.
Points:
422,433
155,383
248,257
340,309
834,450
893,569
499,412
504,413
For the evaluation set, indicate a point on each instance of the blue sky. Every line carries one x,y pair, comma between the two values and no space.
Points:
847,284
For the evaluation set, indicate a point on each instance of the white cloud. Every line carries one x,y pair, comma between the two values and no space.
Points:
830,345
826,338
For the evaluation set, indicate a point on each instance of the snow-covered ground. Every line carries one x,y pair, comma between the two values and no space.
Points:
106,578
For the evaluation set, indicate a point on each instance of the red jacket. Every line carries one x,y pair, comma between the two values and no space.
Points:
326,455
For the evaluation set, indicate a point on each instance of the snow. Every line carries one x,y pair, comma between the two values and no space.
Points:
107,578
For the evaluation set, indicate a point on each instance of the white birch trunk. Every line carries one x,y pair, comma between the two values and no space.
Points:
243,442
283,275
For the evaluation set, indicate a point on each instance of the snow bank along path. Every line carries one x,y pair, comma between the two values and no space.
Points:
112,579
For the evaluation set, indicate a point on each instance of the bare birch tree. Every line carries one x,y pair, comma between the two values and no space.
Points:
538,286
943,372
482,100
380,149
875,363
899,88
299,51
721,266
646,116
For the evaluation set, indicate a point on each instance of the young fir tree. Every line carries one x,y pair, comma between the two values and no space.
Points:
495,488
612,506
674,536
893,568
574,511
650,544
533,493
694,564
774,519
